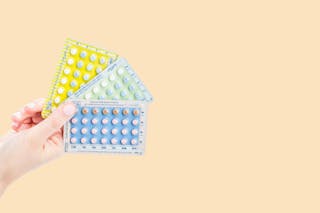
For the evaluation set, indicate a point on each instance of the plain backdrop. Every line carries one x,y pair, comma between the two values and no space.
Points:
235,122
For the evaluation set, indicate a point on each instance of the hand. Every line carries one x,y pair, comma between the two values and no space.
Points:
33,142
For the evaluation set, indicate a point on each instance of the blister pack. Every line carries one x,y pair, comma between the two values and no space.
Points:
117,82
79,64
107,127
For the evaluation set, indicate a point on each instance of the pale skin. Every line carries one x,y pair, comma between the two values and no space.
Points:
32,141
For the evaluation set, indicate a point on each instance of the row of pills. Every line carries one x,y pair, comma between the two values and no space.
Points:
83,54
105,121
106,111
113,141
105,131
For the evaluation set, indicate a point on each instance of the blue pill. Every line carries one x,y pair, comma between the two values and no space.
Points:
123,93
70,93
109,92
131,88
73,83
76,74
117,86
125,80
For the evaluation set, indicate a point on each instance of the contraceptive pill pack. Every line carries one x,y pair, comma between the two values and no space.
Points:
111,99
107,126
79,64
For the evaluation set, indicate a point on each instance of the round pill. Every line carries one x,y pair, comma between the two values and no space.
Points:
60,90
89,67
93,57
104,131
57,100
125,80
102,60
95,111
124,141
135,122
135,112
84,130
134,132
83,54
125,112
73,51
93,140
85,111
64,80
138,96
120,71
109,92
67,71
104,121
84,121
112,77
130,88
95,90
115,111
83,140
123,93
80,64
73,140
125,121
73,83
88,96
74,120
102,97
74,130
134,141
94,131
70,61
76,74
114,141
70,93
94,121
105,111
115,121
124,131
117,86
86,77
103,140
114,131
104,83
98,70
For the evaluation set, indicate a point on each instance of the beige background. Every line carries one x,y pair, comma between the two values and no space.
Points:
235,122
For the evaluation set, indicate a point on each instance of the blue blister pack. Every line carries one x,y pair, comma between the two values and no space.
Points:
107,127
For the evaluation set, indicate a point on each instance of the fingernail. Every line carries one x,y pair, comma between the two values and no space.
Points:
69,109
17,115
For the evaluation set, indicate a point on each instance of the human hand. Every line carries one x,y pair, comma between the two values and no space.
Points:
33,142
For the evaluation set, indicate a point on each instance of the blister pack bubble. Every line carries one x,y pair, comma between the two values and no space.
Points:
79,64
118,82
107,127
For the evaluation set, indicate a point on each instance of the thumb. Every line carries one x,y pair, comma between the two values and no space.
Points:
55,121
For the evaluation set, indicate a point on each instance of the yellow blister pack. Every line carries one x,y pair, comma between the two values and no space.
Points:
79,64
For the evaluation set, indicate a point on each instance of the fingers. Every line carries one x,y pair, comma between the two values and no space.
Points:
54,122
30,113
34,107
28,110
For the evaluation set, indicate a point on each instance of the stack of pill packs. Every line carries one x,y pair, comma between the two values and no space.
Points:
112,101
